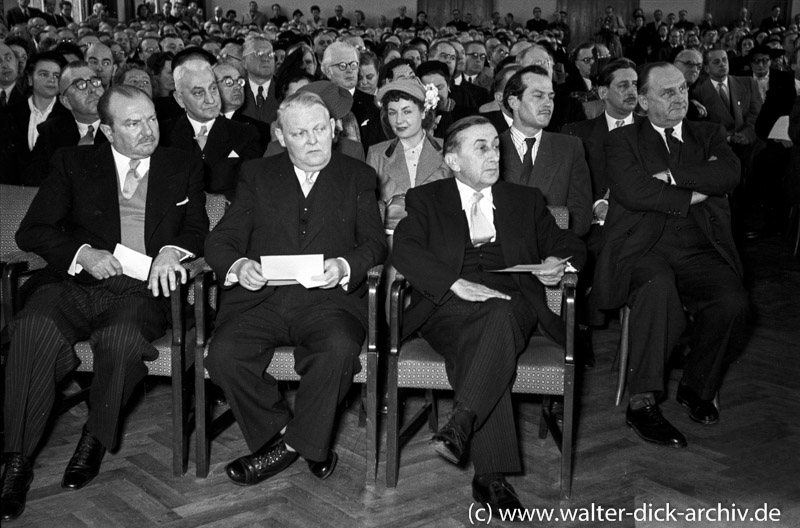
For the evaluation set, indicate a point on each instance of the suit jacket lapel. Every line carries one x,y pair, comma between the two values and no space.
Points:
510,162
218,140
162,194
546,164
736,90
692,149
430,159
396,162
328,190
107,199
453,222
182,136
653,148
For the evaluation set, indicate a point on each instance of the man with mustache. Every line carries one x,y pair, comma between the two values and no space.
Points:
667,245
553,163
128,191
221,144
80,90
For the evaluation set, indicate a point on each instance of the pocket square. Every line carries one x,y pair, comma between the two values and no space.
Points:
184,202
233,154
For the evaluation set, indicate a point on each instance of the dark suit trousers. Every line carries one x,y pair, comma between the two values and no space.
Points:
665,280
118,316
480,343
328,341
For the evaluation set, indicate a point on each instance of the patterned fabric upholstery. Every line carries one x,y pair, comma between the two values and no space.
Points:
14,203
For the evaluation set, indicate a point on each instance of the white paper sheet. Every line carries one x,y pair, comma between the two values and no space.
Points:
533,268
780,130
282,270
134,264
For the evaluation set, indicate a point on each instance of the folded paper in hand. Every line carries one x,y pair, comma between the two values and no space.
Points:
283,270
134,264
534,268
780,130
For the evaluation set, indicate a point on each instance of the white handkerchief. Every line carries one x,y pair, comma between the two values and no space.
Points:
134,264
233,154
182,202
280,270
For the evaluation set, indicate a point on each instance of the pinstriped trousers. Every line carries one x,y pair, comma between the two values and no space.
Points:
118,316
480,343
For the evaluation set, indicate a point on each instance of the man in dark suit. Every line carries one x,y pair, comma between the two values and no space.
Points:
402,21
129,193
231,85
537,23
254,16
553,163
479,321
338,22
305,201
668,245
260,100
774,20
10,93
21,13
222,145
501,118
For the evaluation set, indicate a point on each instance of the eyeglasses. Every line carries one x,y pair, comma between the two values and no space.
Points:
760,61
343,66
587,60
226,55
82,84
477,56
230,81
447,56
502,52
261,54
691,65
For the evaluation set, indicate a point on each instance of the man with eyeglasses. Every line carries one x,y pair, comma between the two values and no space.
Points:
340,65
476,72
221,144
690,63
130,192
80,90
667,247
322,38
232,82
579,79
260,101
148,46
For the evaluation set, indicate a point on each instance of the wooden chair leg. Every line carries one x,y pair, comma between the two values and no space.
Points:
543,419
567,432
371,389
202,417
392,426
433,417
624,352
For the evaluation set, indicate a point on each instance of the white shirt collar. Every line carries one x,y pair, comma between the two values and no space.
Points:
717,83
254,87
612,122
466,192
196,125
83,127
509,119
123,165
229,115
677,131
797,85
46,111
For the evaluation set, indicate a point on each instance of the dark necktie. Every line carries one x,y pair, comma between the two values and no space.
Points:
674,146
260,97
723,94
88,137
527,163
3,99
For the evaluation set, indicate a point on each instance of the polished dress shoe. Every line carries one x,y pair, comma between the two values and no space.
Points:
324,469
17,480
701,411
85,462
261,465
650,425
496,494
451,442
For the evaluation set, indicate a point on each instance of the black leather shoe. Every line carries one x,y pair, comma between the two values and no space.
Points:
261,465
17,480
324,469
451,442
498,495
701,411
650,425
85,462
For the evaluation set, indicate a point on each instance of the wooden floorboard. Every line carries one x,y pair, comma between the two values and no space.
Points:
751,458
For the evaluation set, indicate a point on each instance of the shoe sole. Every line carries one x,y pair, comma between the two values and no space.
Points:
445,453
692,416
668,444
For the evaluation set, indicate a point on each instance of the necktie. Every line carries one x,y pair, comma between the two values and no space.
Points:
482,229
674,146
619,123
131,180
202,137
88,137
308,183
723,94
3,99
260,97
527,162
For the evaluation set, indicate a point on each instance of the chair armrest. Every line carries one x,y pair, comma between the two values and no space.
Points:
196,267
396,303
10,283
373,284
568,283
202,306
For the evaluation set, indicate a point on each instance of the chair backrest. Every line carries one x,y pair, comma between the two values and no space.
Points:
561,215
553,294
215,208
14,203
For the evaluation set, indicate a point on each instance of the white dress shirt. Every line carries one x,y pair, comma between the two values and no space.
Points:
37,118
522,148
486,204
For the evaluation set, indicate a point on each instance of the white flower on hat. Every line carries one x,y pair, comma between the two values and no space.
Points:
431,96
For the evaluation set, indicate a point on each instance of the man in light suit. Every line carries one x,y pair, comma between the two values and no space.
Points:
479,321
668,245
260,101
553,163
222,145
129,192
304,201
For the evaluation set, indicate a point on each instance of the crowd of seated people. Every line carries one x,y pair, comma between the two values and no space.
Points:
665,138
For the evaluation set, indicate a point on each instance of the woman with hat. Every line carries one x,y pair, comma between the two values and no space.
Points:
414,157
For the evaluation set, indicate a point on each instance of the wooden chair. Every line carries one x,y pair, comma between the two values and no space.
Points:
543,368
175,359
281,368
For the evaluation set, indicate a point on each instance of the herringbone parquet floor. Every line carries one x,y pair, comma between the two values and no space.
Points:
750,459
